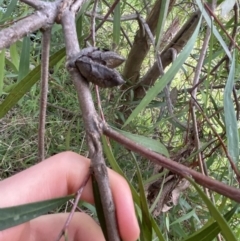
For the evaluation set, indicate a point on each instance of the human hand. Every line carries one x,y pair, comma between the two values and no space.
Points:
58,176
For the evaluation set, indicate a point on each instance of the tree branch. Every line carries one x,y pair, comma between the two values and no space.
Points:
46,38
178,42
41,18
92,125
205,181
141,45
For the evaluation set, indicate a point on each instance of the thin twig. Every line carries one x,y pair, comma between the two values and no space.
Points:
237,173
94,44
46,38
201,163
105,18
29,24
64,109
221,25
93,22
122,30
74,207
109,19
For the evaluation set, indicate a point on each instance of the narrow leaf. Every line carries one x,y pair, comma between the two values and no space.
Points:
161,22
16,215
25,85
147,142
227,6
225,228
230,116
116,24
2,69
166,78
10,9
14,55
24,59
110,157
209,232
99,207
146,220
215,32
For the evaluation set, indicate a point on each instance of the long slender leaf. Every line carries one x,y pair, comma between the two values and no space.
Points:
13,216
209,232
2,71
24,59
99,208
230,116
166,78
25,85
10,9
147,142
116,24
115,166
14,55
225,228
146,223
161,22
215,32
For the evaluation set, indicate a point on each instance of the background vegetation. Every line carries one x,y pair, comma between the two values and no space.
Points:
198,129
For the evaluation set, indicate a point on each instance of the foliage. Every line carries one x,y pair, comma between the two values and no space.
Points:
153,110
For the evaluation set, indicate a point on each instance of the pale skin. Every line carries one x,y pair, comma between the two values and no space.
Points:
59,176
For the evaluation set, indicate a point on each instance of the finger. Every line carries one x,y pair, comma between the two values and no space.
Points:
63,174
57,176
48,227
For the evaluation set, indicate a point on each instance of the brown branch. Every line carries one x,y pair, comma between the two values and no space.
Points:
93,23
46,38
205,181
201,163
74,207
234,167
221,26
122,30
178,42
109,19
105,17
141,45
91,124
40,19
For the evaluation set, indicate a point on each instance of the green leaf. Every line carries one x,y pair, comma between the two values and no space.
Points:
230,116
167,77
225,228
2,69
146,224
99,207
210,231
151,144
215,32
161,22
14,55
26,83
185,217
116,24
115,166
24,59
16,215
10,9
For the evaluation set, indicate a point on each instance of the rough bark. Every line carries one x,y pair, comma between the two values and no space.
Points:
141,44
